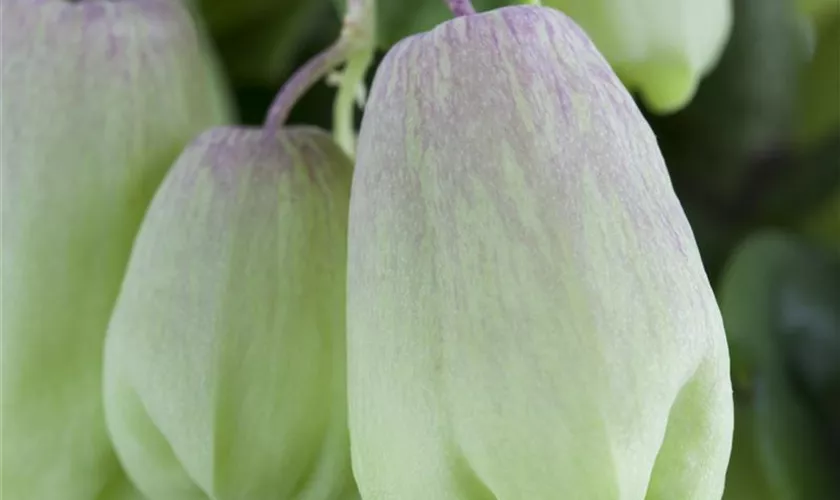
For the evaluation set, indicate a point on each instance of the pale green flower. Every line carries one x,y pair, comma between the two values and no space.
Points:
662,48
528,316
225,358
98,98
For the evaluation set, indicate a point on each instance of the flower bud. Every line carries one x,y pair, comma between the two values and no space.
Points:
97,99
225,357
660,47
528,316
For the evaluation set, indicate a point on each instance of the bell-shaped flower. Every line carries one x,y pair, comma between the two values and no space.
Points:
225,357
98,98
662,48
528,316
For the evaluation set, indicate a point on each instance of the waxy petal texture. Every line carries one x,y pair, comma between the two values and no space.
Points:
98,98
662,48
225,357
528,316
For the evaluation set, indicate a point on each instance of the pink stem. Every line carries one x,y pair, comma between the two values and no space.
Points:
301,81
358,11
461,7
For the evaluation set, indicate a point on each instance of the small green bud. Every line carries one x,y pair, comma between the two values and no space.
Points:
528,315
662,48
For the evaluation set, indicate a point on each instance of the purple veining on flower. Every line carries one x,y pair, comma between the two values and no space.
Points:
461,7
229,329
98,99
513,231
223,152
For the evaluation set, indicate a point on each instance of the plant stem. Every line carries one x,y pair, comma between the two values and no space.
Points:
461,7
357,34
345,103
302,80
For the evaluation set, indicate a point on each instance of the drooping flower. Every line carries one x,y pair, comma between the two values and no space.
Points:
98,98
528,315
662,48
225,358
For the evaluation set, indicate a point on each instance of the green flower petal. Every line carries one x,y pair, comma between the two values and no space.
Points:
528,315
98,98
225,359
662,48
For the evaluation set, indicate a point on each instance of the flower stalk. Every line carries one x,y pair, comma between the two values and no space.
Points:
353,47
461,7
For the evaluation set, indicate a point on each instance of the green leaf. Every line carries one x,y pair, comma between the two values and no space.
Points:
746,478
779,299
779,450
807,318
746,297
790,443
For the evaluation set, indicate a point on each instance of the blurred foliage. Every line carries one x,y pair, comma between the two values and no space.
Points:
755,159
262,51
823,224
779,301
777,448
397,19
807,319
745,106
734,153
818,107
258,39
659,49
818,8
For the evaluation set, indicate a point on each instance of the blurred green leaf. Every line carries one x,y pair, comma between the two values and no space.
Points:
223,17
397,19
818,108
747,296
263,50
807,318
778,451
789,445
779,298
819,8
746,478
794,186
823,224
